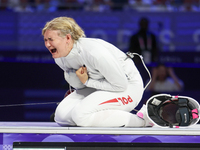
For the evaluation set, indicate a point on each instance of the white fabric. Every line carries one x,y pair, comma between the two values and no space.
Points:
105,64
84,108
72,79
111,77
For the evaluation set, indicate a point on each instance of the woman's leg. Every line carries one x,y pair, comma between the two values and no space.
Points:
63,110
109,109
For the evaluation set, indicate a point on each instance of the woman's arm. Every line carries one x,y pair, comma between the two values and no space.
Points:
114,76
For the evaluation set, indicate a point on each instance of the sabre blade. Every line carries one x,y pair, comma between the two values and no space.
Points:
14,105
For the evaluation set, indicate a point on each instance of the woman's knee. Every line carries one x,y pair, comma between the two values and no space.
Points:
60,115
78,116
63,116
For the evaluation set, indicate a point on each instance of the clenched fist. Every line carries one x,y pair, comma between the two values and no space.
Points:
82,74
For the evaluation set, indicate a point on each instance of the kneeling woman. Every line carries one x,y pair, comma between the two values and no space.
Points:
108,84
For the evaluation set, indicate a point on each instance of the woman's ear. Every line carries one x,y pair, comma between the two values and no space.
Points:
68,37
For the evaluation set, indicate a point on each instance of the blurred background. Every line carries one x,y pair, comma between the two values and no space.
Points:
28,73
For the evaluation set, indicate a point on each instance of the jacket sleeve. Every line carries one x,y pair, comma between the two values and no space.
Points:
73,80
114,78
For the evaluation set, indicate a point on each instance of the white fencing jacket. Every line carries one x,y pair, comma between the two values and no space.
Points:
108,67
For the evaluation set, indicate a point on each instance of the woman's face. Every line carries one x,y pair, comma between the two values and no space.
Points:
57,45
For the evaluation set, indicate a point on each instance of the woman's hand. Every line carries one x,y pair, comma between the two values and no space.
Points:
82,74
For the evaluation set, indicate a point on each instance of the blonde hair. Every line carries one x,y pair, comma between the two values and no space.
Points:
66,26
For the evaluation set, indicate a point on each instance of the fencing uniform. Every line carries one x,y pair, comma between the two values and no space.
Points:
113,89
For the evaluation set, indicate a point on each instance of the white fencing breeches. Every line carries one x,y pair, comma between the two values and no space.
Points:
90,107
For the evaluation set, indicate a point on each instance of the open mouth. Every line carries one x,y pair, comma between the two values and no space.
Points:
53,50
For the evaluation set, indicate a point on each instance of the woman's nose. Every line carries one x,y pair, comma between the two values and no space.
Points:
47,44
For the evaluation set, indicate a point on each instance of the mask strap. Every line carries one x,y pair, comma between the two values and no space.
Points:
184,113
